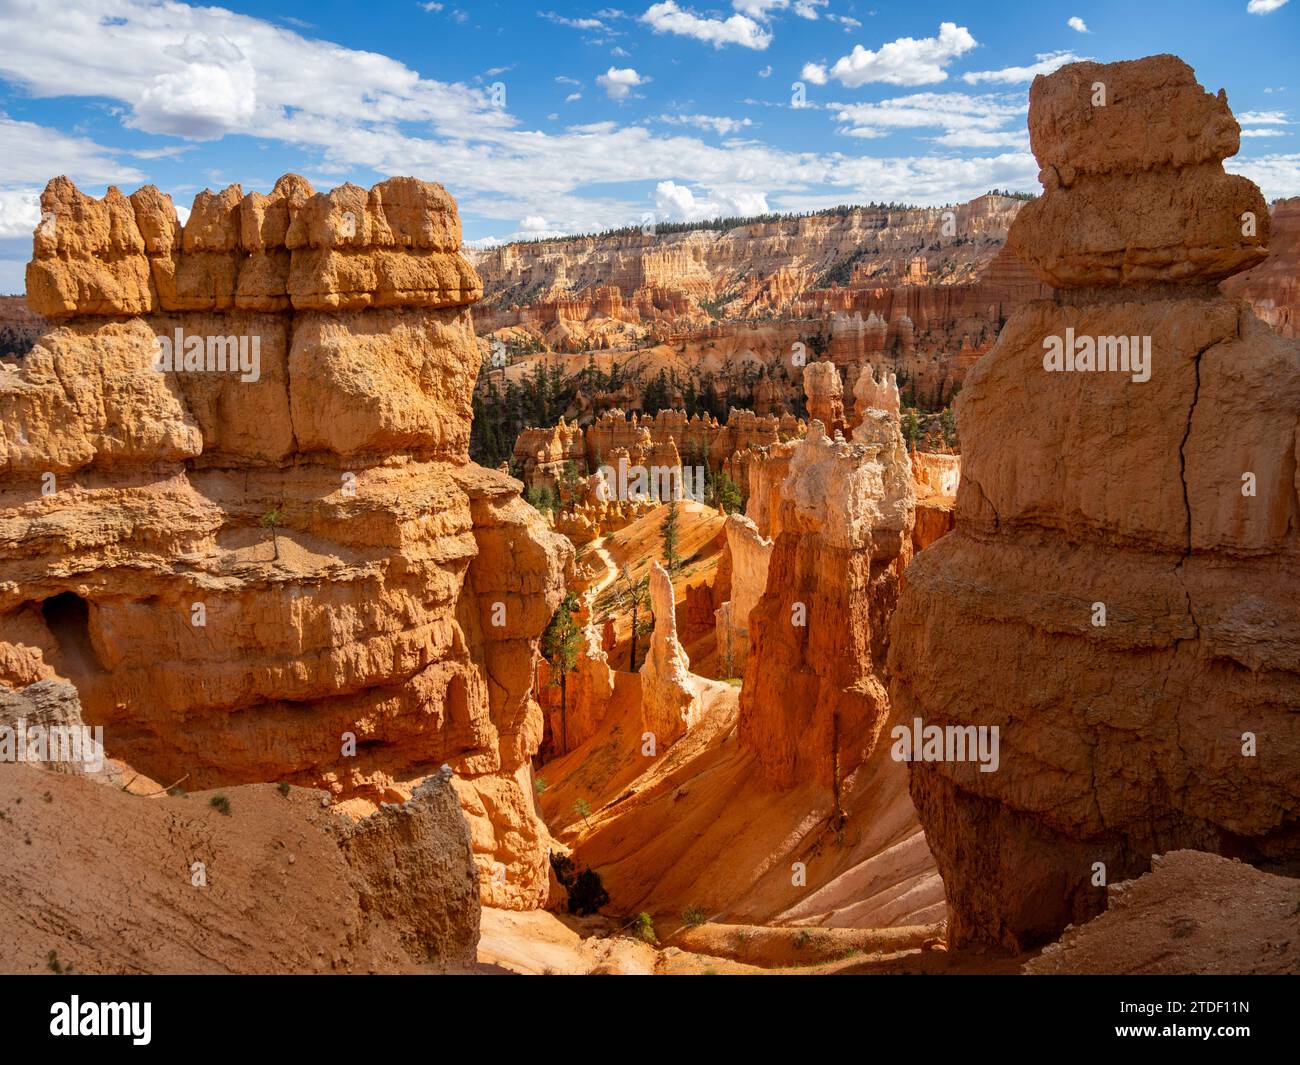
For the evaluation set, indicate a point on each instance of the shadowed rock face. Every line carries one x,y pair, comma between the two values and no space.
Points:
1120,597
276,556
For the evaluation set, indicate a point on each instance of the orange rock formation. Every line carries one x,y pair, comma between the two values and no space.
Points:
813,699
268,557
1119,598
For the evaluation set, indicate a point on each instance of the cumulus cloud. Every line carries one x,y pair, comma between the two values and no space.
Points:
360,115
30,154
1264,7
212,93
679,203
906,61
573,23
667,17
1077,24
1046,63
618,82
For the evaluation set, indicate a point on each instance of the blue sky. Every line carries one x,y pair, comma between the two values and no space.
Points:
560,117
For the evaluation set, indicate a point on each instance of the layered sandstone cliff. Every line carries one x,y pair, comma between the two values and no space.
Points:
237,511
1119,599
746,270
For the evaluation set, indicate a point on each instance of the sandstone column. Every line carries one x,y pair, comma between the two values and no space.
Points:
1121,596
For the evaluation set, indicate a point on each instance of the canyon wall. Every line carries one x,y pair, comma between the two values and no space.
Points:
1120,597
285,567
746,270
921,290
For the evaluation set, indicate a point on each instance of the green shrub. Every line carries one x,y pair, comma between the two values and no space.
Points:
643,927
694,916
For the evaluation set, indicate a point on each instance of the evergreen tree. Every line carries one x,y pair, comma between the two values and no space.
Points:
911,429
727,493
561,642
671,534
542,499
948,426
633,596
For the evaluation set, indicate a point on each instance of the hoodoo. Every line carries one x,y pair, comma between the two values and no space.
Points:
1121,595
293,575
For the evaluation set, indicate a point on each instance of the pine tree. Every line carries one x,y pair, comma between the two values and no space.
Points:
728,493
670,535
560,645
911,429
632,596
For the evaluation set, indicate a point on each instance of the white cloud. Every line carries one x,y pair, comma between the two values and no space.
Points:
766,72
906,61
213,93
573,23
357,115
667,17
1077,24
572,96
31,154
619,82
1276,175
762,9
1263,7
1264,133
814,72
1046,63
20,211
964,121
678,203
1263,118
720,124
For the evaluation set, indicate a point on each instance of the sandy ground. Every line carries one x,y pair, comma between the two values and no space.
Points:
101,881
1194,913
